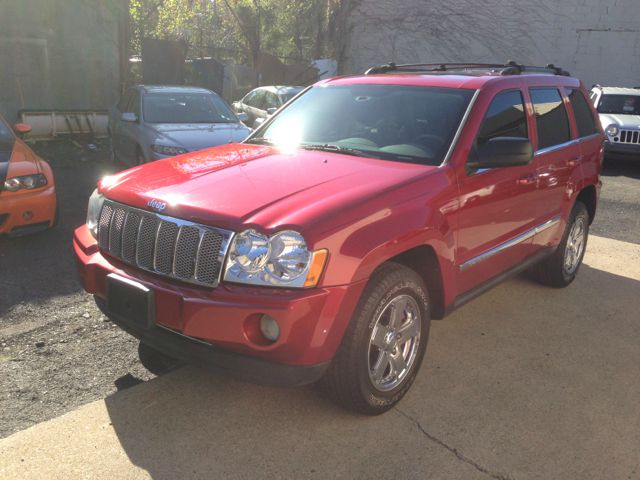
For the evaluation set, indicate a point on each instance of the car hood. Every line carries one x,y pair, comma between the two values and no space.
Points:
623,121
241,186
196,136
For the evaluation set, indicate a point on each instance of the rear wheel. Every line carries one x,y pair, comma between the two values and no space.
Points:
383,346
560,269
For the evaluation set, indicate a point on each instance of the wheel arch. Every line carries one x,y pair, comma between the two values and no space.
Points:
589,197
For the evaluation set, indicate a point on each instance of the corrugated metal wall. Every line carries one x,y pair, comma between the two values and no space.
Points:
61,54
595,40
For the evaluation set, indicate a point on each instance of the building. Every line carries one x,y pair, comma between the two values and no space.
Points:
596,41
61,54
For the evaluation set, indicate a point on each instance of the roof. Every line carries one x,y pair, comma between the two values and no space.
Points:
172,89
619,90
446,80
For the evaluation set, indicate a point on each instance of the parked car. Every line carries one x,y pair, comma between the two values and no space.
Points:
27,188
619,110
320,248
262,102
154,122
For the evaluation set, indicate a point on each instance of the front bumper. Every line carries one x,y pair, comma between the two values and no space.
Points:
216,328
40,205
613,148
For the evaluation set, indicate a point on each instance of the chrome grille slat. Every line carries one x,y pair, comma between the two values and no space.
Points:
629,136
167,246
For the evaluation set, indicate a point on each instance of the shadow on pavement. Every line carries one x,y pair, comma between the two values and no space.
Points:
526,379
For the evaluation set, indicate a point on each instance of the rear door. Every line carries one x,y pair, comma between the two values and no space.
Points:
497,210
557,158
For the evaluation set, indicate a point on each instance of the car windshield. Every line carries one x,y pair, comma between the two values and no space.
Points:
6,136
186,108
620,104
392,122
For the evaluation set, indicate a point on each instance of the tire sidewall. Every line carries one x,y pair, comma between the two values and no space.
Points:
374,397
579,210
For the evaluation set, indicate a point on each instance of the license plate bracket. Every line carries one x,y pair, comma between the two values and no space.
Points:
130,301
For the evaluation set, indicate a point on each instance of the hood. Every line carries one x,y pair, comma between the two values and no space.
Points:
196,136
239,186
623,121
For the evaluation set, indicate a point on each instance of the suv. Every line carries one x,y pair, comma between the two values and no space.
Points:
319,249
619,110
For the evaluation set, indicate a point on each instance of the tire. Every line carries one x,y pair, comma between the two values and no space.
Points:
155,361
561,268
363,377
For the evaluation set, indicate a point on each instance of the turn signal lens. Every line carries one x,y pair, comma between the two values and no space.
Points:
318,259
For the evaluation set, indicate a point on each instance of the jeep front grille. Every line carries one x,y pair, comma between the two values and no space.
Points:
168,246
629,136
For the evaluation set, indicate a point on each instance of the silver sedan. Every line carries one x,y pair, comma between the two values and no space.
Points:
154,122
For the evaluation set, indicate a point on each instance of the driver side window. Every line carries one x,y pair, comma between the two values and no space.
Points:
505,117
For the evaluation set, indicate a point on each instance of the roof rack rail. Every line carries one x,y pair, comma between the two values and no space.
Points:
509,68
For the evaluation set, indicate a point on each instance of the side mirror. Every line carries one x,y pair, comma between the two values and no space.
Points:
243,117
271,111
129,117
502,152
22,128
258,122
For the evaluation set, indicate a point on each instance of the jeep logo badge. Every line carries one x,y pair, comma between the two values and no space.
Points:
156,204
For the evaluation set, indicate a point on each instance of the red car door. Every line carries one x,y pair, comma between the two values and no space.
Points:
497,206
557,157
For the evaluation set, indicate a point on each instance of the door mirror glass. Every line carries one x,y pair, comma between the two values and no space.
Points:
502,152
243,117
129,117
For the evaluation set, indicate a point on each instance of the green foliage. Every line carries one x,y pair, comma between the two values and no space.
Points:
236,30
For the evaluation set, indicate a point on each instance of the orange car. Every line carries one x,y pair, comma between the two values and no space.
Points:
27,189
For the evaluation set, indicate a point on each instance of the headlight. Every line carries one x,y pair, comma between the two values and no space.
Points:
25,182
282,260
612,130
168,150
93,212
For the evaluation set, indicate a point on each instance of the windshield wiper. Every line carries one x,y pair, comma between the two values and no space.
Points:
259,141
328,147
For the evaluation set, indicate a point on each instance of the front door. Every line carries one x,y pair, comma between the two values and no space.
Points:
497,212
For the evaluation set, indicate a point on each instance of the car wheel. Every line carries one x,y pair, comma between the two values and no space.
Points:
561,268
155,361
384,344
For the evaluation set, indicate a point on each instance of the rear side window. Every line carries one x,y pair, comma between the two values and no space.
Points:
552,121
505,118
584,118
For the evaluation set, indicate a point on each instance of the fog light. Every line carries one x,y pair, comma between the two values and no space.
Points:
269,328
27,215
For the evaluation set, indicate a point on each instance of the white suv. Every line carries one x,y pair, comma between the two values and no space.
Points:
619,110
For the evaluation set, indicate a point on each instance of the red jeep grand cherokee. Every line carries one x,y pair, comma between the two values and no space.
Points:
320,248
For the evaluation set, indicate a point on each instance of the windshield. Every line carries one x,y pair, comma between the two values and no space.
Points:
396,122
620,104
186,108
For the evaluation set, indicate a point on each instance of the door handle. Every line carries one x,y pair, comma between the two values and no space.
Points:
527,180
572,162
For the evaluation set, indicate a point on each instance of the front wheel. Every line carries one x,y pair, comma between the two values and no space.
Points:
561,268
384,344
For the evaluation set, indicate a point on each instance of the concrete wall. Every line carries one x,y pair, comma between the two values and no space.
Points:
60,54
597,41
